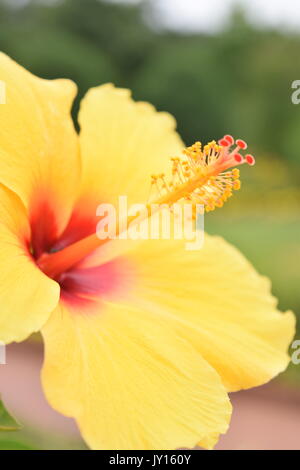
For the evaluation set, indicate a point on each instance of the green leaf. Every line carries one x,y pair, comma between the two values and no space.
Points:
14,445
7,421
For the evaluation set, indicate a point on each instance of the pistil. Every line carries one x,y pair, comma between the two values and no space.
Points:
198,179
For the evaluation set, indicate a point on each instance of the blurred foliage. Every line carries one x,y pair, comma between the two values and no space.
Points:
7,421
237,81
14,443
38,439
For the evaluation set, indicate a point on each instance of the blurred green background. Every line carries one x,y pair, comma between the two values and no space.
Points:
236,80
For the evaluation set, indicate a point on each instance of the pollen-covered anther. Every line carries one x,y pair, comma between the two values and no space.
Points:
204,175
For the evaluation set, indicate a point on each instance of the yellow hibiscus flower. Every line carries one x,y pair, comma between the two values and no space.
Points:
142,341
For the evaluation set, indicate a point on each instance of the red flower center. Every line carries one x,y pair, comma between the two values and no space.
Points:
80,285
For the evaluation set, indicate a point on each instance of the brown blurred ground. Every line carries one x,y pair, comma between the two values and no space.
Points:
264,418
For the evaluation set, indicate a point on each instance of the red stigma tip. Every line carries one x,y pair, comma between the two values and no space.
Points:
238,157
250,159
229,139
241,144
224,143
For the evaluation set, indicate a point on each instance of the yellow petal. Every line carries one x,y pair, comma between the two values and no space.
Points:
27,296
130,380
228,308
122,143
39,157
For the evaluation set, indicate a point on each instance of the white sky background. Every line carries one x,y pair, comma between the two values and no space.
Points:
211,15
